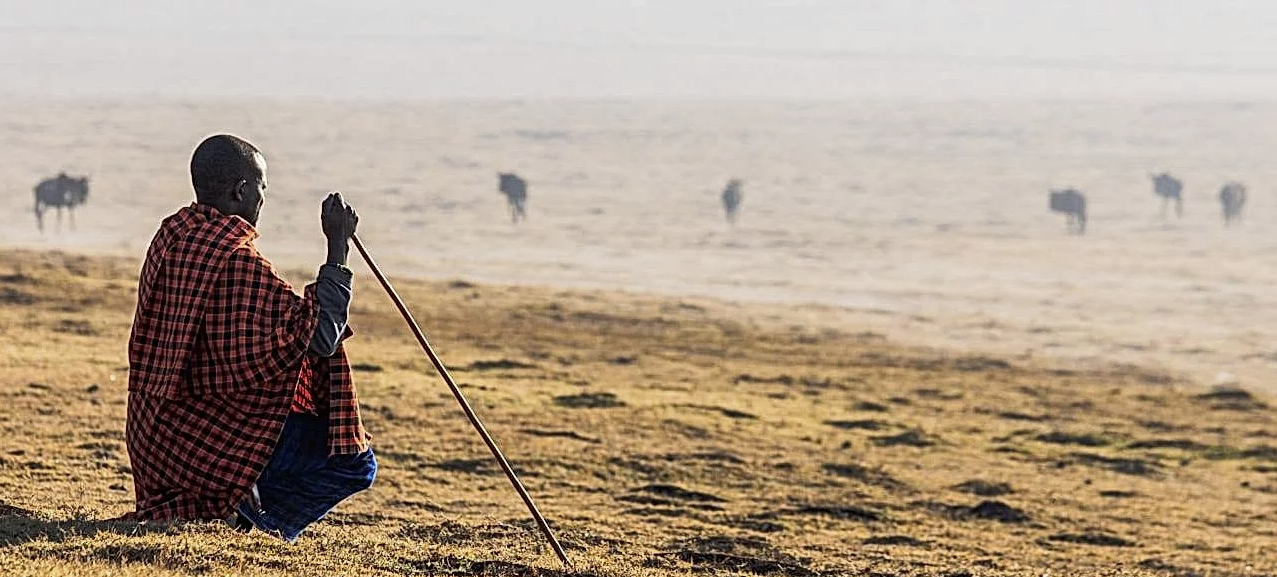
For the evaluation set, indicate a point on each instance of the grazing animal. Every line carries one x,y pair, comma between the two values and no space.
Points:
1169,188
732,197
60,192
515,190
1232,197
1073,203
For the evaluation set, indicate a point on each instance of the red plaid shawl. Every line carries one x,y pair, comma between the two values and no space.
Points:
218,345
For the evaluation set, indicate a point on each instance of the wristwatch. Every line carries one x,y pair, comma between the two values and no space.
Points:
340,267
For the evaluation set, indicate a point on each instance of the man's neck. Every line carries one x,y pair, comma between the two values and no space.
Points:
223,210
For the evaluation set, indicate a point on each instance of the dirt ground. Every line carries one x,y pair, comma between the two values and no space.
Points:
660,437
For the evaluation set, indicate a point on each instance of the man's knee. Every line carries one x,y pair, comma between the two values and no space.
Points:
371,470
361,469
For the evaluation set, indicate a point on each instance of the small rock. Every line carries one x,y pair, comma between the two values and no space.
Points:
870,406
998,511
92,388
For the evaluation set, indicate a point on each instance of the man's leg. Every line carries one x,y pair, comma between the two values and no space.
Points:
302,483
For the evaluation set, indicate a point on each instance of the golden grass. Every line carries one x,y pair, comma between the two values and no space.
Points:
660,437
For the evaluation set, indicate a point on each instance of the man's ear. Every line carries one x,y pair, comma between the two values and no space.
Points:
237,192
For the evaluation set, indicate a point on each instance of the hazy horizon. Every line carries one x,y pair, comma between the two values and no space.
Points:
710,49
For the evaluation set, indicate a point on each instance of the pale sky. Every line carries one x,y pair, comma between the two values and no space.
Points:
413,49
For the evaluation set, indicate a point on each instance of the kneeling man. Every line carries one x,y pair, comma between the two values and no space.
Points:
241,405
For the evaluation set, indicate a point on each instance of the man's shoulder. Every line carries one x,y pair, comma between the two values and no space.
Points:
245,256
246,263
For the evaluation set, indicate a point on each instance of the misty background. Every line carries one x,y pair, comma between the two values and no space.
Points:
715,49
897,156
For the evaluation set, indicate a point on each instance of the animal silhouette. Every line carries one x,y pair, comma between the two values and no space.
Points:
1073,203
60,192
732,197
1169,188
515,190
1232,197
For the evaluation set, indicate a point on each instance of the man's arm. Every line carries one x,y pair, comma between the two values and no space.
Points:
332,291
332,288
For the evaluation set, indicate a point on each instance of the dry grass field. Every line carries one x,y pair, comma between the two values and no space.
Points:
660,437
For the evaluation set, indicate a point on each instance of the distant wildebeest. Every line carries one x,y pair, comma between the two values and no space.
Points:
59,192
732,197
515,190
1073,203
1232,198
1169,188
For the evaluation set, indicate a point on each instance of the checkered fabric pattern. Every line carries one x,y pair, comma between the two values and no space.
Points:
215,356
334,395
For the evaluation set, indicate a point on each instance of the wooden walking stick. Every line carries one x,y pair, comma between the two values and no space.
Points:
465,406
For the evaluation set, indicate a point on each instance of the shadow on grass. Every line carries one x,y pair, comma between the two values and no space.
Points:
18,525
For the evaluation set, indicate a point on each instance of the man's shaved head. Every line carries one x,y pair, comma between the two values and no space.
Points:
220,163
229,174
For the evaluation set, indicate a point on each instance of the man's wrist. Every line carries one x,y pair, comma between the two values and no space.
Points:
342,270
338,251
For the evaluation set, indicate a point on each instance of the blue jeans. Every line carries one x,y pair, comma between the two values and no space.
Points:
302,483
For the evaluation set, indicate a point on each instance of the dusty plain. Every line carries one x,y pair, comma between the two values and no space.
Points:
661,436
